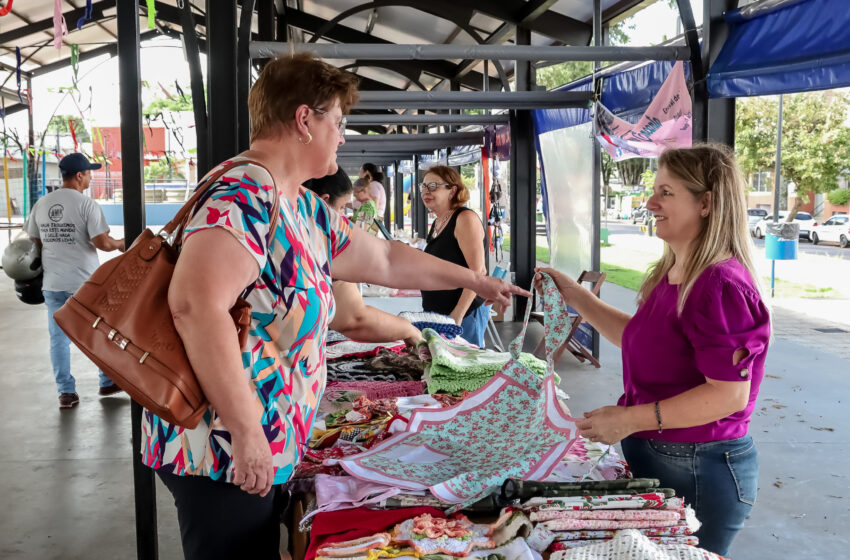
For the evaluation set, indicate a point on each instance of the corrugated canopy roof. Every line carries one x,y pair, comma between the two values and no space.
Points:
29,26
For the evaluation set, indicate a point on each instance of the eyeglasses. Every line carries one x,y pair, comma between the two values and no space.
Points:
432,186
340,126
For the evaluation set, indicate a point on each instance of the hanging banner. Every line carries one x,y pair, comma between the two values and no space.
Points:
666,123
59,27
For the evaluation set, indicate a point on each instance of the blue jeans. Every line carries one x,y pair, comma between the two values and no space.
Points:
475,324
719,479
60,346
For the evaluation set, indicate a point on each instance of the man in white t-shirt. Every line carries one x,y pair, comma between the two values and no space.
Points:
69,227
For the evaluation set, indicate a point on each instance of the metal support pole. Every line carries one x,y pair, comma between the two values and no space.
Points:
777,179
777,184
221,80
700,100
388,197
420,212
720,113
32,170
192,52
596,167
398,198
523,187
129,75
243,75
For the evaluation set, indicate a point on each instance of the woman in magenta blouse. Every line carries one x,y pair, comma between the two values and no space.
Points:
694,352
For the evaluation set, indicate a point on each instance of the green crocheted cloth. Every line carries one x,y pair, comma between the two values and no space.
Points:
456,368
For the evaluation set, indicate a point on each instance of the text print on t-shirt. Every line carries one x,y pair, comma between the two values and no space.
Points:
57,232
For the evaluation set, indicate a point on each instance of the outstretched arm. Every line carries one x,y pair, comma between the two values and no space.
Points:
394,264
364,323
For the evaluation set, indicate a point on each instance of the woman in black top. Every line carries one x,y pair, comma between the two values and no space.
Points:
457,236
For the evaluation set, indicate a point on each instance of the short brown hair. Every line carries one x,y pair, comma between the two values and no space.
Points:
290,81
453,178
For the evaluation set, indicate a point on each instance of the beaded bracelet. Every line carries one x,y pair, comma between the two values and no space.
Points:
658,416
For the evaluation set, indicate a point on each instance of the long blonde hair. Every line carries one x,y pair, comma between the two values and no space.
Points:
707,168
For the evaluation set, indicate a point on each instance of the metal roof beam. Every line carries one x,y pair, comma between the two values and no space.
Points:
342,34
111,50
266,49
531,16
98,9
473,100
412,120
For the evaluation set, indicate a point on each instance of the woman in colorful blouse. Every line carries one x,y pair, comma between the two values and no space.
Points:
694,352
263,397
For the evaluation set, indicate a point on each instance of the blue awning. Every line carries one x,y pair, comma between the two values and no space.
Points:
784,48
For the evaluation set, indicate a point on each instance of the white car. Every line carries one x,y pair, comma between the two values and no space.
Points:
803,218
836,229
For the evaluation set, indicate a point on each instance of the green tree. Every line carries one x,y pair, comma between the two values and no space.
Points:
815,140
59,123
631,170
161,169
162,104
563,73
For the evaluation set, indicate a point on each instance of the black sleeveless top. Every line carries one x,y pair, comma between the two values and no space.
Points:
446,247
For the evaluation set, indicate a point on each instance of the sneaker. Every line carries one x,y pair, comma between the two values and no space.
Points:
68,400
109,390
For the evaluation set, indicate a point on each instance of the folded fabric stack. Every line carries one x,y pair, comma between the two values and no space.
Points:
568,522
442,324
456,367
377,389
633,544
417,532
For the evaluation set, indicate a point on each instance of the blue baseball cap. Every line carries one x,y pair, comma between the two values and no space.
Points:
76,163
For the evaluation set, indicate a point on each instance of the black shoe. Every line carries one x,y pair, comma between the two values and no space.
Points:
109,390
69,400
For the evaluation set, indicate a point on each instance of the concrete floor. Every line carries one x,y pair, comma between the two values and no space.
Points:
66,477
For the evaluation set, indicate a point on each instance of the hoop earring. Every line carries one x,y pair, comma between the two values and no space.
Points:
309,138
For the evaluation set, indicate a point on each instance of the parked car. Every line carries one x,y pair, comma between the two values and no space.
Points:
836,230
641,214
754,216
806,221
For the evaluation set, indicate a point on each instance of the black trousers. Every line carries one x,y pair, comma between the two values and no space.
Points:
220,521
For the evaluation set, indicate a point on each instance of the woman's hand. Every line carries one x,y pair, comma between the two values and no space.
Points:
414,338
494,290
608,424
563,282
253,470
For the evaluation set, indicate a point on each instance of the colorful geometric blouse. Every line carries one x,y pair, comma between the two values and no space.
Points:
292,304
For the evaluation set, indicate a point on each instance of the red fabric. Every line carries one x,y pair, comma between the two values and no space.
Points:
349,524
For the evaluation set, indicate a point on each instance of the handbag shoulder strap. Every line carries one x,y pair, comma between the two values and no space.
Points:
183,215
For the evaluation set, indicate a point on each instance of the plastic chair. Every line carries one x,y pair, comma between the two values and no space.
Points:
574,346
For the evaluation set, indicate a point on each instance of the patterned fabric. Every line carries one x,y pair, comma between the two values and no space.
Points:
361,369
353,349
292,304
511,427
677,530
676,519
379,389
429,535
631,544
455,368
614,514
567,545
442,324
613,501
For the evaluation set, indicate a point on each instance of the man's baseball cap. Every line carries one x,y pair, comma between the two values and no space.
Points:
76,163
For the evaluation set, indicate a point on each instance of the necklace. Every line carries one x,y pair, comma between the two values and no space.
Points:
442,223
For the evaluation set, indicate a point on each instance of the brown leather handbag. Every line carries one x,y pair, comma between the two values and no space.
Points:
120,319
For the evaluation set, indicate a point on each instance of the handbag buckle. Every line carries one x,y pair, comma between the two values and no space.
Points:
120,340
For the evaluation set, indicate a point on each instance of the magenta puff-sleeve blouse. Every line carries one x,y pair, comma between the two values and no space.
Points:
665,354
